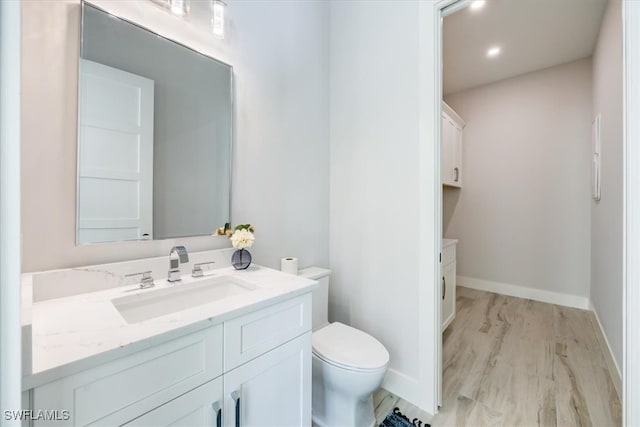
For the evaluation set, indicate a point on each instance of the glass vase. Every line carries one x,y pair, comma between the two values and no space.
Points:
241,259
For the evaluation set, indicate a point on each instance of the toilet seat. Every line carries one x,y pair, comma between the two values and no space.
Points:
349,348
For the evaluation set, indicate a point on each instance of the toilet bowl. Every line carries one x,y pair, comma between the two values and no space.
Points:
348,366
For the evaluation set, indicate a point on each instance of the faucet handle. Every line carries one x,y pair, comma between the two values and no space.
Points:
146,281
197,268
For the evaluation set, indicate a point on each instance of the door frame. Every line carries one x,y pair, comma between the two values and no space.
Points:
631,200
631,185
440,9
10,256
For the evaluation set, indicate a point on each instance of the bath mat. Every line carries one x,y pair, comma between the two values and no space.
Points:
395,418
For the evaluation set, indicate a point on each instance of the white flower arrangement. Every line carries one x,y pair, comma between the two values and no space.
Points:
242,237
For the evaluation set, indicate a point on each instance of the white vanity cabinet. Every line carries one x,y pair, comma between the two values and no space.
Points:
448,282
259,363
451,147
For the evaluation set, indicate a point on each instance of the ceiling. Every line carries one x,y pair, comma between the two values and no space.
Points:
532,35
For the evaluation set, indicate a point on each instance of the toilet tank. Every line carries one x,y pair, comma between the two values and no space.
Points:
320,296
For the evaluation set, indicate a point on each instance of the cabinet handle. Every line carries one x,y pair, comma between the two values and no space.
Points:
457,171
217,408
236,397
444,287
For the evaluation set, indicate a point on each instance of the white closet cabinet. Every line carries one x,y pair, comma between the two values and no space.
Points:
448,282
451,147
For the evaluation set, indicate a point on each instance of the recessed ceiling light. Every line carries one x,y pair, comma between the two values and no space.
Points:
493,52
477,4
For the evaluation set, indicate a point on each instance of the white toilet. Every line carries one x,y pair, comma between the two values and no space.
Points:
348,365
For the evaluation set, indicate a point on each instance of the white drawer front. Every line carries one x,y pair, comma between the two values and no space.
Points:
448,254
196,408
121,390
249,336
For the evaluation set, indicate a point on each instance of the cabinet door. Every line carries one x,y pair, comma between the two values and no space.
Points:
198,408
451,152
457,154
273,390
447,150
448,294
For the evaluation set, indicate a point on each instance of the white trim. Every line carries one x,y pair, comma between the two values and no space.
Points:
450,7
10,299
612,364
551,297
631,174
430,200
402,386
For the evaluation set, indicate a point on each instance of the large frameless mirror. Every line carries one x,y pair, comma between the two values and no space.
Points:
154,135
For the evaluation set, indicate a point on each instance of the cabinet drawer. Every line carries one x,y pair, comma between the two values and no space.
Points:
249,336
448,254
199,407
123,389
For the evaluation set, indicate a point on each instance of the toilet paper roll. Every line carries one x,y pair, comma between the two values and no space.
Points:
289,265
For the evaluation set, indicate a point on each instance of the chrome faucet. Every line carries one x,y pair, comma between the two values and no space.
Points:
177,255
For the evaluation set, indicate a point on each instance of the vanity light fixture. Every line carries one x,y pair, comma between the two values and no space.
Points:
493,51
477,4
217,18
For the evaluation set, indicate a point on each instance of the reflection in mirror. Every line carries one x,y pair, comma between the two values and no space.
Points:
154,135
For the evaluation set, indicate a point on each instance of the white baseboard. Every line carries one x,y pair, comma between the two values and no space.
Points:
401,385
612,364
567,300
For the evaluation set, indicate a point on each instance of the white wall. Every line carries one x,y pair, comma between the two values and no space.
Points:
607,214
280,55
380,209
523,216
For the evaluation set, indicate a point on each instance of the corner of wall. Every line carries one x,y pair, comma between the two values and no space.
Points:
607,352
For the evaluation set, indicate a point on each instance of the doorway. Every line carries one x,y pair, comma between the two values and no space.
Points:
444,9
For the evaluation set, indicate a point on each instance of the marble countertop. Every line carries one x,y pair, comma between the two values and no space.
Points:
77,332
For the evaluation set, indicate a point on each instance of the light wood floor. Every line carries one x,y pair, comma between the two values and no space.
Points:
515,362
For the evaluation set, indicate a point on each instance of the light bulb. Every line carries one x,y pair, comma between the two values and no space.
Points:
493,52
477,4
217,19
179,7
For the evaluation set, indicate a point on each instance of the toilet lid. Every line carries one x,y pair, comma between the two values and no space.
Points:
348,347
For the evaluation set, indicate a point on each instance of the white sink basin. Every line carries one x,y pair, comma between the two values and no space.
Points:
155,303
